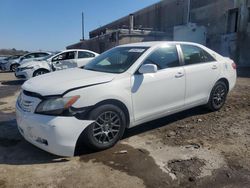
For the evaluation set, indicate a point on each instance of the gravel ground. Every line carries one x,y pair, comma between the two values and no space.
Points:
194,148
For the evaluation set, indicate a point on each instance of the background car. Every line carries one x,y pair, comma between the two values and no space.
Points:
123,87
12,65
4,63
62,60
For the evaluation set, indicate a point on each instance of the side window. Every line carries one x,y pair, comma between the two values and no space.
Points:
195,55
208,57
164,57
70,55
65,56
82,54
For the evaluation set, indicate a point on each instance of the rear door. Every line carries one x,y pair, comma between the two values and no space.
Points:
65,60
202,71
84,57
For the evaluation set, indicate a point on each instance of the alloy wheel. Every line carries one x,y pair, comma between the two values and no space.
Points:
107,127
40,73
219,96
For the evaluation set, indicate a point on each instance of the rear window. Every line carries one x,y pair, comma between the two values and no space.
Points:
82,54
195,55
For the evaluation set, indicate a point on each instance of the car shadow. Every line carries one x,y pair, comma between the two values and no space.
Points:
155,124
13,82
16,151
165,121
9,90
3,72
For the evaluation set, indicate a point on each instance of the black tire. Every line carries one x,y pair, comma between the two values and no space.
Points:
40,72
14,67
218,96
102,135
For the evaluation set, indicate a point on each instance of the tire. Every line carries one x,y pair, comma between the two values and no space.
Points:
108,128
40,72
14,67
218,96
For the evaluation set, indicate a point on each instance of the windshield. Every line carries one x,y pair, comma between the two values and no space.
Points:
116,60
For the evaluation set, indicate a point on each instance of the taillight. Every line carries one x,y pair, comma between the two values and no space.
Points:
234,65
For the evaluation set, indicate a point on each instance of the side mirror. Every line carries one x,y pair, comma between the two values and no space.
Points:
148,68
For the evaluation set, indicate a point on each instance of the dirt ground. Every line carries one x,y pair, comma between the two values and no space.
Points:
195,148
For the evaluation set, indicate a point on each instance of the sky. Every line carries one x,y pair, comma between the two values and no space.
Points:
54,24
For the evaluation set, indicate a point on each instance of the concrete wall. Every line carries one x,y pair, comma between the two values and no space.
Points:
161,16
217,16
113,38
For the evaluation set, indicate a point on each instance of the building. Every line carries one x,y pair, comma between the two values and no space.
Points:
222,25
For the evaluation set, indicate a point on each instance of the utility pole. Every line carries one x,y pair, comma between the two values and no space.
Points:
82,26
188,11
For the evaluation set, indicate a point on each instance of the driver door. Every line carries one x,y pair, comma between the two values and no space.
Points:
157,94
64,60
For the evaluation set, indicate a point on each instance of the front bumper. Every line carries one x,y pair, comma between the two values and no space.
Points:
54,134
23,74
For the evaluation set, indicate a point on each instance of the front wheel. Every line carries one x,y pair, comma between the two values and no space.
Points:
108,128
218,96
14,67
40,72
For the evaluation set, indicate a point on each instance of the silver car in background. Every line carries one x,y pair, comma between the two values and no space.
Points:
5,62
12,65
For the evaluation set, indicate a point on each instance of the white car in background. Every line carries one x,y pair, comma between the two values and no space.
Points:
123,87
63,60
12,65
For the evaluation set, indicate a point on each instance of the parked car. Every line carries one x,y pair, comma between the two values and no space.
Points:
63,60
8,60
123,87
12,65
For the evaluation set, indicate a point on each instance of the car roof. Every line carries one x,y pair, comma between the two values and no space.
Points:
84,50
156,43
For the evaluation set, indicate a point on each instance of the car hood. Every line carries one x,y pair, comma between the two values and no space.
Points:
29,64
59,82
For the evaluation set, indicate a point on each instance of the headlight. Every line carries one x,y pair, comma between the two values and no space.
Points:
56,106
28,67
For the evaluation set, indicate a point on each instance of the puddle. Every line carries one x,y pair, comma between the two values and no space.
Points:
164,154
7,104
2,184
135,162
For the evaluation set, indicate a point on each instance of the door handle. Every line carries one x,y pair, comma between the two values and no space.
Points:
179,75
214,67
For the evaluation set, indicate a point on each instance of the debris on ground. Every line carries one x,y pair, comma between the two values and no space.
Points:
121,152
186,169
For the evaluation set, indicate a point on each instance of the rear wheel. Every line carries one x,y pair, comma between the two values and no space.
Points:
40,72
218,96
108,128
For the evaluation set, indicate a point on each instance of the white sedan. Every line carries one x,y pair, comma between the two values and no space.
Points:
123,87
60,61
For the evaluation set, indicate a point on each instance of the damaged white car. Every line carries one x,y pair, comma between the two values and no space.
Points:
123,87
63,60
